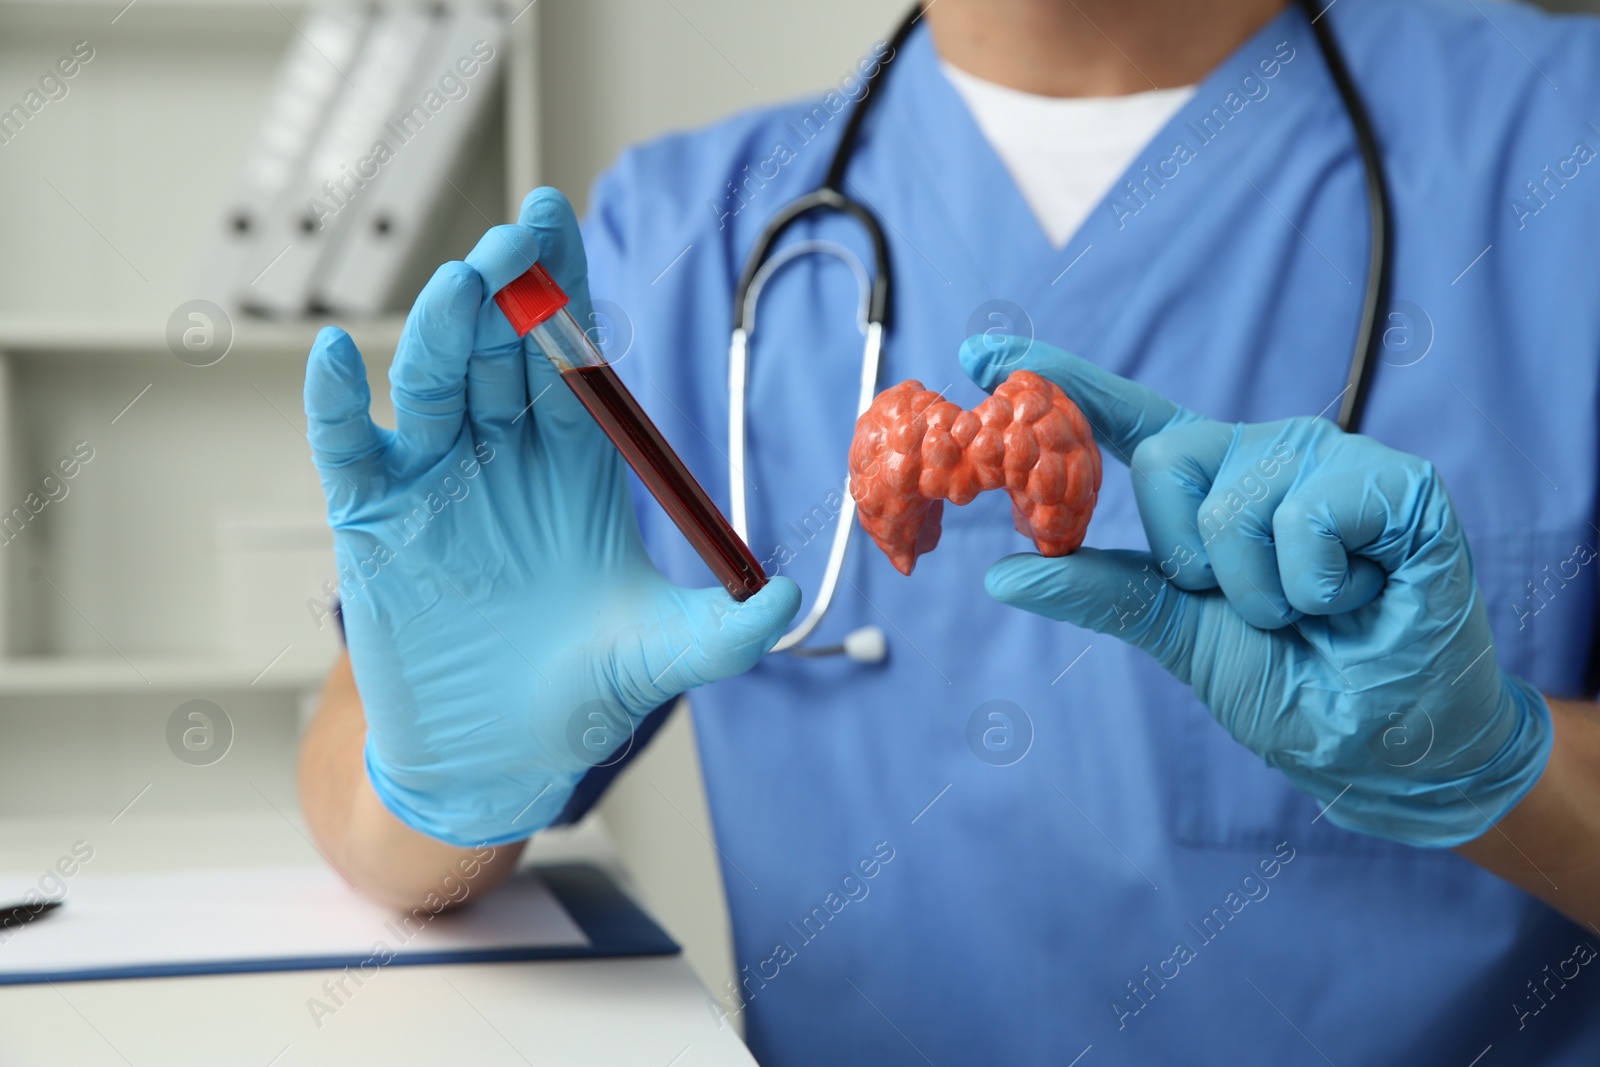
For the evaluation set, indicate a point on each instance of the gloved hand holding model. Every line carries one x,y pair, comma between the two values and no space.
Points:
1332,623
506,628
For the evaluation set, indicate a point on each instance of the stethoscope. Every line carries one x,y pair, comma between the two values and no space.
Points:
869,644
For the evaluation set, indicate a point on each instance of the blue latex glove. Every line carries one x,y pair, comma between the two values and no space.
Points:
1314,588
506,628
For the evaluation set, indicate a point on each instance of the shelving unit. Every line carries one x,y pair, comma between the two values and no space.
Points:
180,561
86,675
25,336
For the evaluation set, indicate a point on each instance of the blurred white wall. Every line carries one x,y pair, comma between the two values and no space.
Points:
619,71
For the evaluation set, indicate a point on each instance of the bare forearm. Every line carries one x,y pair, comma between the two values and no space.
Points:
373,850
1549,844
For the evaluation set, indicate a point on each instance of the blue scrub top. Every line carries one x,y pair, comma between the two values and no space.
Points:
1124,875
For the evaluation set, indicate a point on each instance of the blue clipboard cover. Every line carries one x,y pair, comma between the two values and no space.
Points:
604,923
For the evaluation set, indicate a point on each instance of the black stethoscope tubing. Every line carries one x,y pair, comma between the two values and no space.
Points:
830,196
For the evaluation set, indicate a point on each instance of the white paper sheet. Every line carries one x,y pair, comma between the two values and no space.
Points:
204,921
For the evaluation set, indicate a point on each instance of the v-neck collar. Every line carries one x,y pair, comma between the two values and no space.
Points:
971,196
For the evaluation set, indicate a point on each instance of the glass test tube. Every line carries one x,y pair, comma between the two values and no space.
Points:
536,305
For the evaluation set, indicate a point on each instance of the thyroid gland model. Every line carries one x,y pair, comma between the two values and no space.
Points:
912,451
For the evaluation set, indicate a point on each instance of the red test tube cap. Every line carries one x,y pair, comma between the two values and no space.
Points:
530,299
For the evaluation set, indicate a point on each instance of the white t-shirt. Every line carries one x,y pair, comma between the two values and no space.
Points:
1065,153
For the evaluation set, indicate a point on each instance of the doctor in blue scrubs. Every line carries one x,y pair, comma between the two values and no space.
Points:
1291,764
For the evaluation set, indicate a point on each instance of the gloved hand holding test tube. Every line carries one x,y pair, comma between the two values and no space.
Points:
536,306
507,630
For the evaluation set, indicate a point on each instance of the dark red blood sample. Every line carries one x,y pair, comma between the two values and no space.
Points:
668,480
913,451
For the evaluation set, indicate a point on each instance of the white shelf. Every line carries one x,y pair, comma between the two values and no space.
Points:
74,675
59,6
252,337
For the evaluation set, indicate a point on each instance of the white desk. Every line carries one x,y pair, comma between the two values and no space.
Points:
649,1012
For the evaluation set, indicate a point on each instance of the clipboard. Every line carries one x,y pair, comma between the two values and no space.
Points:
245,921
